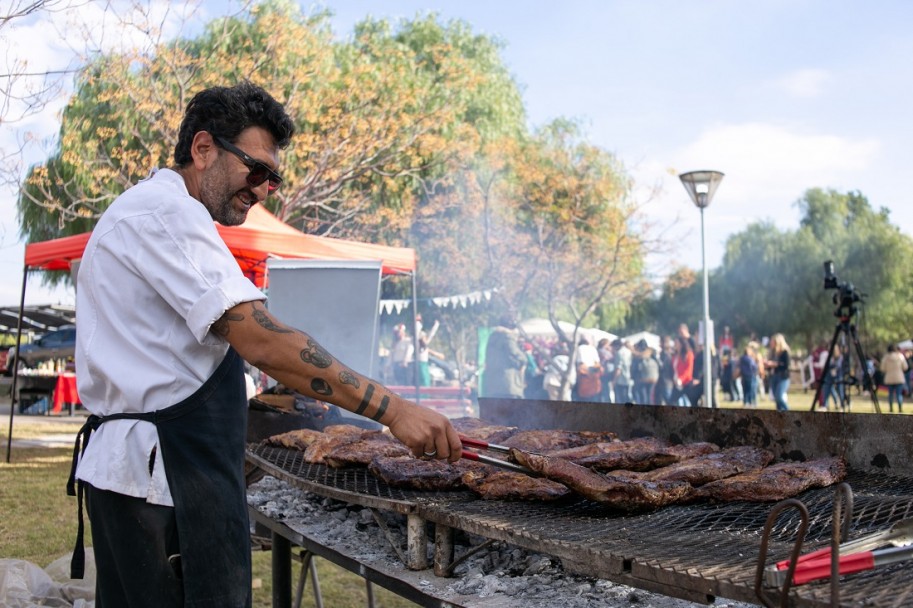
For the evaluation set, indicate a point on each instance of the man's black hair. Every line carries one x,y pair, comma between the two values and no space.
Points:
226,111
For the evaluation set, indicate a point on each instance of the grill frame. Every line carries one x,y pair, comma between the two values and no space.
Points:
695,552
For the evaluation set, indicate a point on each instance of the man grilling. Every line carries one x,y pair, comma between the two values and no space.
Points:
166,320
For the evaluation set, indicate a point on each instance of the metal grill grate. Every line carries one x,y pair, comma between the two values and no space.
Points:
706,547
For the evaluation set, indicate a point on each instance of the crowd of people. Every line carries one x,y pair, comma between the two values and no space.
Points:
669,372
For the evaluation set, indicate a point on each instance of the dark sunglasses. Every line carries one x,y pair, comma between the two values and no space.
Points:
258,172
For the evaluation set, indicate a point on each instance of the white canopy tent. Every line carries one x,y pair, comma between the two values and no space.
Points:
542,328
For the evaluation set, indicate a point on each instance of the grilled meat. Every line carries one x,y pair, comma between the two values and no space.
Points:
299,439
416,474
616,492
552,440
692,450
604,447
776,482
346,430
362,451
711,467
507,485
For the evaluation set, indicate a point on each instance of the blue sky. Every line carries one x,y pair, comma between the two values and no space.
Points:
781,96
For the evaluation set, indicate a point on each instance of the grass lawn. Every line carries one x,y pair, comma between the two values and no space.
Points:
38,524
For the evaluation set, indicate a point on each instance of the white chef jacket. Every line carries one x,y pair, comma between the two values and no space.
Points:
155,275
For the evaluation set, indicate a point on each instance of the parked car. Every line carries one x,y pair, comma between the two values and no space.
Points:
57,344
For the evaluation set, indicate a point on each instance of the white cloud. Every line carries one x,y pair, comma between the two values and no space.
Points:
767,168
805,83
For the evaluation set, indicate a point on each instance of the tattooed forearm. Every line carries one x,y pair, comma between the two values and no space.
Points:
220,327
347,377
381,410
321,387
369,392
316,355
266,322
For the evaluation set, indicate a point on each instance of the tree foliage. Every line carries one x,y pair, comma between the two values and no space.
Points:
771,280
408,134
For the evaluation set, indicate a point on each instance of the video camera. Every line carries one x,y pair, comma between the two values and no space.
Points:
847,295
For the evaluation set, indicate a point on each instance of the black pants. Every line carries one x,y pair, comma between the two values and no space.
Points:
132,540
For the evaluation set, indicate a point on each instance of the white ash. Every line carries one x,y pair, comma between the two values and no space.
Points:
515,576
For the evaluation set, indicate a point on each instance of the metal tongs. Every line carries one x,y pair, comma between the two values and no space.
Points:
853,556
496,462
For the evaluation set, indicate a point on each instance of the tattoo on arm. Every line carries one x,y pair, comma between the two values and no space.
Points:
381,410
266,322
316,355
220,327
321,387
366,400
347,377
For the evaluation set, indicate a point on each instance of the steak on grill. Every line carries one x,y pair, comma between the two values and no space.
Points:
416,474
507,485
776,482
616,492
299,439
605,447
362,451
551,440
316,453
711,467
484,431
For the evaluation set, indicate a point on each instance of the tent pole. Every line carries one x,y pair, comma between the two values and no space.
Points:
415,372
13,400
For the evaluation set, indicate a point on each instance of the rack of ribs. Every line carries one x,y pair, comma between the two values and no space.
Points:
776,482
711,467
361,451
619,493
551,440
507,485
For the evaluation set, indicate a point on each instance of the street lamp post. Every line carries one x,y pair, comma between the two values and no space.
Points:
701,186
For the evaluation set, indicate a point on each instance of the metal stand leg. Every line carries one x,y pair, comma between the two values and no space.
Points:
443,549
417,543
282,571
308,566
370,589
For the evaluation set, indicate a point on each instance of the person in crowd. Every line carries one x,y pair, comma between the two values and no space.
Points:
763,384
621,381
831,381
893,365
696,390
726,379
819,358
684,332
401,356
666,385
167,320
589,372
425,353
748,373
553,379
645,372
533,374
778,364
607,362
505,361
683,364
727,342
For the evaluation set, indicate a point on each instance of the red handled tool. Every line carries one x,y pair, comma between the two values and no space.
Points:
847,564
497,462
478,443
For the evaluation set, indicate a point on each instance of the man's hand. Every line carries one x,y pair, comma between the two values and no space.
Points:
426,432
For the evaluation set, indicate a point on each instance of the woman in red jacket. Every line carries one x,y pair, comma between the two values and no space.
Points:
683,363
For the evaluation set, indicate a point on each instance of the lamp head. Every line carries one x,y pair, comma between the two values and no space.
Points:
701,185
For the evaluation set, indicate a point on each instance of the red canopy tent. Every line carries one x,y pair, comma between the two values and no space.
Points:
262,236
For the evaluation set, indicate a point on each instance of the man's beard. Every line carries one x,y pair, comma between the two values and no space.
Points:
218,198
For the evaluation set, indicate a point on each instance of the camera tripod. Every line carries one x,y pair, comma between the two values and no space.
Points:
846,332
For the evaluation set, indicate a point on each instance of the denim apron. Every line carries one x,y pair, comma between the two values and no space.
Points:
202,440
